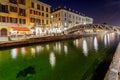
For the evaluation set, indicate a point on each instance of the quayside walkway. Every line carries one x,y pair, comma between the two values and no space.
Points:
114,69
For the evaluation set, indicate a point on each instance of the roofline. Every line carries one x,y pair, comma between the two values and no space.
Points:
41,2
67,9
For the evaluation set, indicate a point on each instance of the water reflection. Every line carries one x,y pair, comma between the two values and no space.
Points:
38,49
23,50
52,59
47,47
76,42
108,35
57,47
14,53
85,48
105,40
95,44
33,51
65,49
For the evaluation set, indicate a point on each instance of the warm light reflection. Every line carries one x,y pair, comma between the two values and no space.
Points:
14,53
38,49
105,40
52,59
65,49
85,48
23,50
108,35
95,44
76,42
57,47
47,47
113,36
33,51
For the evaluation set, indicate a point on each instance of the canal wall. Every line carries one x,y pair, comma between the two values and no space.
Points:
113,71
36,40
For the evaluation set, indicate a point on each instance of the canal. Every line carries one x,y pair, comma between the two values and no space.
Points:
86,58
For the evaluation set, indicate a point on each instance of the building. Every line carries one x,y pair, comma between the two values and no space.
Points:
22,13
63,17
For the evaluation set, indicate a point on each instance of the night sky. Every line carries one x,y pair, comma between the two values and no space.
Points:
102,11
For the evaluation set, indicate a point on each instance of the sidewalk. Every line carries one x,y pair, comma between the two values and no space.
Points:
114,69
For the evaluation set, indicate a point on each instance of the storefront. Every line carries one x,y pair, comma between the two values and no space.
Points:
20,31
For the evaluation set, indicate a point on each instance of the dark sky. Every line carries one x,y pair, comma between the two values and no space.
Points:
102,11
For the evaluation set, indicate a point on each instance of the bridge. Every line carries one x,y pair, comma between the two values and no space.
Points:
92,28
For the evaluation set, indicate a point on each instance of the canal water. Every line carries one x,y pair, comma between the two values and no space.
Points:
86,58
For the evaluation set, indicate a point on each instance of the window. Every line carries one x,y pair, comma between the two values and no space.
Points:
38,6
13,1
36,12
59,19
42,14
42,8
46,9
73,17
13,9
32,5
42,22
37,20
47,15
79,18
65,14
22,21
32,12
56,15
69,15
46,21
3,19
65,19
32,20
4,8
13,20
22,12
22,2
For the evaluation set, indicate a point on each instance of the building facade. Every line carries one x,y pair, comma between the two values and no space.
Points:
63,17
22,13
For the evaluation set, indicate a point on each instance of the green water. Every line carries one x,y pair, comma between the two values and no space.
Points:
86,58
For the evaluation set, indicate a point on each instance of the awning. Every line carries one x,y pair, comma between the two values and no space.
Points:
20,28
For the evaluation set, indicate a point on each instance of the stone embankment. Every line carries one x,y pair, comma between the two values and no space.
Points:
113,72
37,40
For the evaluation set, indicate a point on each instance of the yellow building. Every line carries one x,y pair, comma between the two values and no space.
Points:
22,13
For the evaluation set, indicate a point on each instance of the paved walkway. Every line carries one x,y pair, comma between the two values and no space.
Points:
113,73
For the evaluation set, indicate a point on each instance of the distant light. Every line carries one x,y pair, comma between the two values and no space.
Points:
84,23
52,16
65,24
